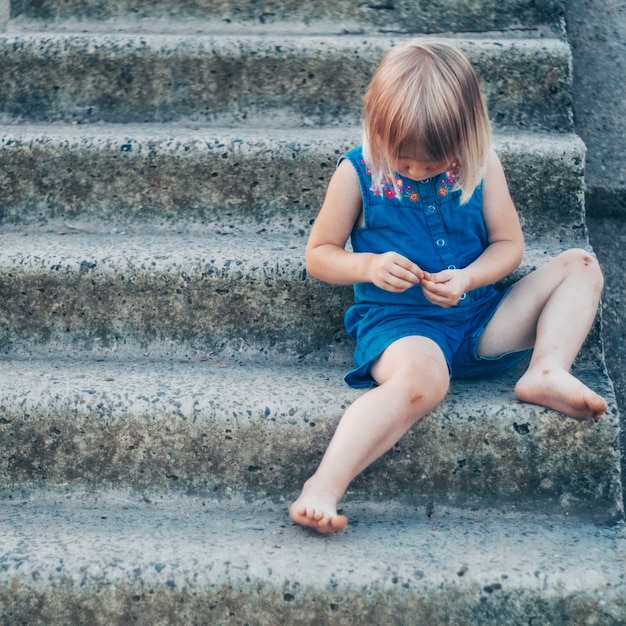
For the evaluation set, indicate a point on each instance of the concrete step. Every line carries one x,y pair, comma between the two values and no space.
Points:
397,16
257,78
257,426
119,559
210,291
180,176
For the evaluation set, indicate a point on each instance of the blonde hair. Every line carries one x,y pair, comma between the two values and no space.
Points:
425,98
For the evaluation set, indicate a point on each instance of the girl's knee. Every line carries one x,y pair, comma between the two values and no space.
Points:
423,384
582,264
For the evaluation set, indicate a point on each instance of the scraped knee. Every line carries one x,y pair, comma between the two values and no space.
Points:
423,384
582,263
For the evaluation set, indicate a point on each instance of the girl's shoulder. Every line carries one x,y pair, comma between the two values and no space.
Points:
355,156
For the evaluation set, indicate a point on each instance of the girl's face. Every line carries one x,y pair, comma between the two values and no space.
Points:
418,170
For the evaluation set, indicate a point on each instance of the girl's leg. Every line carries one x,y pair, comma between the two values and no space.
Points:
413,379
553,308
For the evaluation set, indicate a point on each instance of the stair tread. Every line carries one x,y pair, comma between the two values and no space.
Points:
321,28
302,74
218,386
249,559
203,135
168,292
261,42
235,248
189,383
168,176
401,15
258,425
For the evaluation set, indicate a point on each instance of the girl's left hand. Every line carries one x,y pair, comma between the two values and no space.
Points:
445,288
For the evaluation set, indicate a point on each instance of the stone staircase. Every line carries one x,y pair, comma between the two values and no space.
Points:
169,374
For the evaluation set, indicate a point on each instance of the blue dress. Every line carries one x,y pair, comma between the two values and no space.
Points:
426,223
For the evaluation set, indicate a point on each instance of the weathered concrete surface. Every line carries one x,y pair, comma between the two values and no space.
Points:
608,237
234,425
596,30
397,16
162,176
157,561
210,290
128,77
5,14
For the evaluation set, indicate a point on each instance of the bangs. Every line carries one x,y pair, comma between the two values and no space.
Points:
424,143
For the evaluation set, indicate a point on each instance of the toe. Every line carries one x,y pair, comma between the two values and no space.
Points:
339,522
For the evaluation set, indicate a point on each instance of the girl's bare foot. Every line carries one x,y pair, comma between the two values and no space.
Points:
559,390
317,509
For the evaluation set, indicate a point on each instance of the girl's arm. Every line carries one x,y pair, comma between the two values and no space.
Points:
326,256
502,255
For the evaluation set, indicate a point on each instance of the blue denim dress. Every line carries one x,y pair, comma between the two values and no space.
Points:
425,222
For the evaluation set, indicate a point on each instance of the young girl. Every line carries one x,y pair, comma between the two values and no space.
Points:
432,227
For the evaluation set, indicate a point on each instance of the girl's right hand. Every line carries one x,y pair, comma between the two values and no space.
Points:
393,272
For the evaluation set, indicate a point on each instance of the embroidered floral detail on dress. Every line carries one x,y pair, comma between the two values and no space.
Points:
400,191
449,180
391,191
452,172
